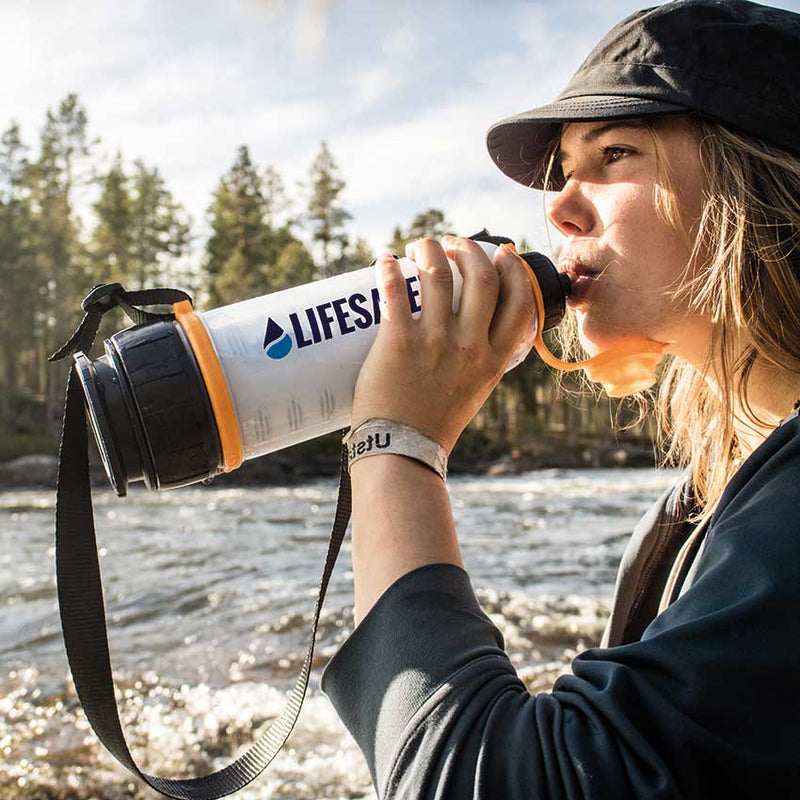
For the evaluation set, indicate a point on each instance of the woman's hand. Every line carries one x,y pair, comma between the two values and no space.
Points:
434,373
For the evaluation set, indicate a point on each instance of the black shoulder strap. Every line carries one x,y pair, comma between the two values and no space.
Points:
80,591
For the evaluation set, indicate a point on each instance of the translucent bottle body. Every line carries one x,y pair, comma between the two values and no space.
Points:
291,359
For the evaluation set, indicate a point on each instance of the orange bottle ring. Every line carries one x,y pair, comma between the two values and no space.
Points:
216,385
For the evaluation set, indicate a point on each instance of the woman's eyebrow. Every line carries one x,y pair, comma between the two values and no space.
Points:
595,133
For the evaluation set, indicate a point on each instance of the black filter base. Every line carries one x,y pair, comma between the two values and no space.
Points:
110,422
149,409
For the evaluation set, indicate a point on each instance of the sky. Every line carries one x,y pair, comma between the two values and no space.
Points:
402,92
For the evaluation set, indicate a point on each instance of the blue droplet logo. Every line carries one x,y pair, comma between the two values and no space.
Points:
277,343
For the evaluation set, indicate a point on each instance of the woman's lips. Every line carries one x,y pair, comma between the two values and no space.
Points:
582,279
581,286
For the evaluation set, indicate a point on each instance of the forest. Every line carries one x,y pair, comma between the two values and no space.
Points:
72,217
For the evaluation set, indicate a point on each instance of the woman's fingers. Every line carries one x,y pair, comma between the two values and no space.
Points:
435,281
394,289
496,307
517,306
480,290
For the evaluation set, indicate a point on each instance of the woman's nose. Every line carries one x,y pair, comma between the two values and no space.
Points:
570,211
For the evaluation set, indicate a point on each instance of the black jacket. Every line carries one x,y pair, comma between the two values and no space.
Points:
699,701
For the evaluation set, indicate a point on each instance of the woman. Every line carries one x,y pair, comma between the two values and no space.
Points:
678,169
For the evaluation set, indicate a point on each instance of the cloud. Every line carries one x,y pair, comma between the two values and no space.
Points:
400,42
311,28
373,84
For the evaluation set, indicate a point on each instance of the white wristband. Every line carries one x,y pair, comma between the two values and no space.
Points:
376,436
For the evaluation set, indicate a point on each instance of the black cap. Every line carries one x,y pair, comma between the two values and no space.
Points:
735,62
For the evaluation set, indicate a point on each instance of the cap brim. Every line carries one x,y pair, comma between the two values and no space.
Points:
519,145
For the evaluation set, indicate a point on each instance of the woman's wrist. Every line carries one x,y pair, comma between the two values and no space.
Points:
379,436
391,467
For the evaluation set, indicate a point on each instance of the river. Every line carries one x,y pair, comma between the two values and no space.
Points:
209,594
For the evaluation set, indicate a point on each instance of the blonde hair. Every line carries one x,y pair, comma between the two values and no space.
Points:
745,260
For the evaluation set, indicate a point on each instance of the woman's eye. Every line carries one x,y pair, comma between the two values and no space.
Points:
608,155
613,153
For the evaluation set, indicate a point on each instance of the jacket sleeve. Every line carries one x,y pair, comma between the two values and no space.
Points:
704,705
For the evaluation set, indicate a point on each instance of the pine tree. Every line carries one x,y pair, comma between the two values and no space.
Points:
111,245
294,266
427,223
354,256
63,166
160,230
246,256
20,284
398,242
276,203
239,245
326,217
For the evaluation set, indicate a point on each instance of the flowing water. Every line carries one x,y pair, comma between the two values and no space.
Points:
209,595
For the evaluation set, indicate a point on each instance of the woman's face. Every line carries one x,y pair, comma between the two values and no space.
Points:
624,258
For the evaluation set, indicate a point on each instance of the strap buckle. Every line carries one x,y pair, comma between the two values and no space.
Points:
101,297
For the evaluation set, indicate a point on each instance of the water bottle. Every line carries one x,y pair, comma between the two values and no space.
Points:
177,401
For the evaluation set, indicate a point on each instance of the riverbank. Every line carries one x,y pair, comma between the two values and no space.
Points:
291,467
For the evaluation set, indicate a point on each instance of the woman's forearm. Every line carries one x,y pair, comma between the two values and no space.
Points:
401,520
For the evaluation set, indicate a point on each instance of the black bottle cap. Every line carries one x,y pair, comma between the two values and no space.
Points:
555,287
